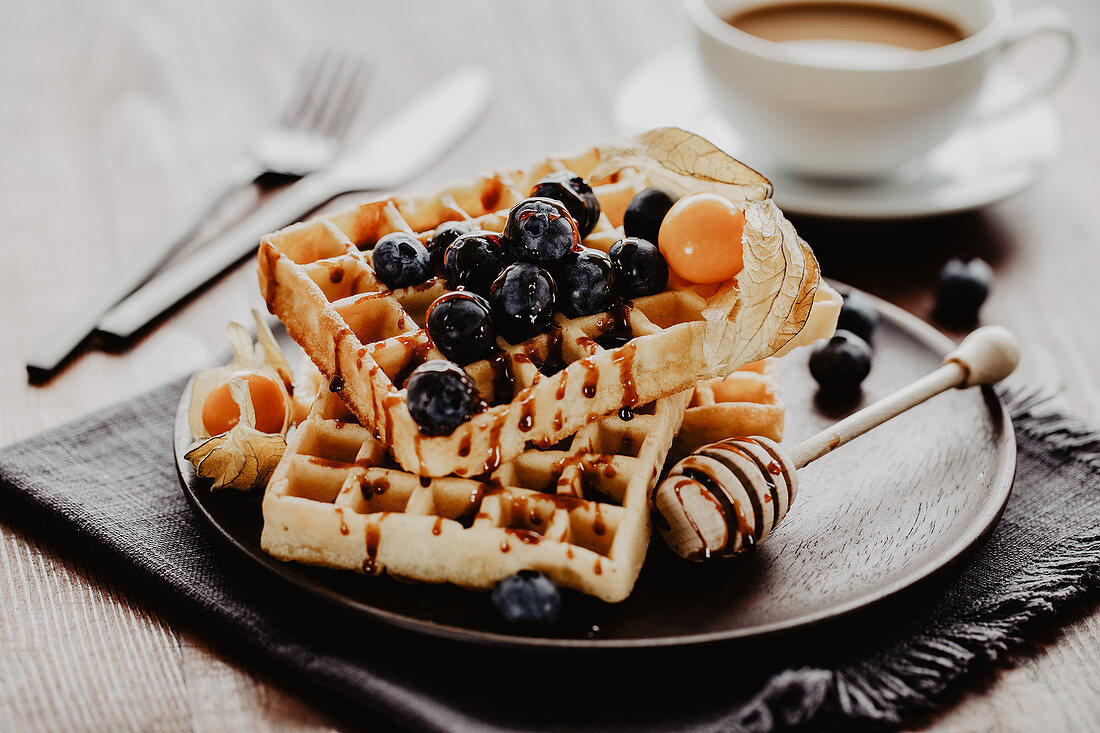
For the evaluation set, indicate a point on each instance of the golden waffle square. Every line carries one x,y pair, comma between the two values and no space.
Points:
317,278
578,511
747,402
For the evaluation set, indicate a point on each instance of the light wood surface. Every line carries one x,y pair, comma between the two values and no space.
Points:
118,115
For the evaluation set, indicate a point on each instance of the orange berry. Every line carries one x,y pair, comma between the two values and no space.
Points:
220,413
701,238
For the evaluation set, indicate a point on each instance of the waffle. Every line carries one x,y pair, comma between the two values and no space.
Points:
745,403
578,511
316,276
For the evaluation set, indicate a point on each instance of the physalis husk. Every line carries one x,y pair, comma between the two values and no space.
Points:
244,457
263,357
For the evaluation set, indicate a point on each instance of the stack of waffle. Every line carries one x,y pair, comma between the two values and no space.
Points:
554,475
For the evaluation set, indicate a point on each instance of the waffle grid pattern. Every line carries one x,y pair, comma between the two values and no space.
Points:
578,511
317,278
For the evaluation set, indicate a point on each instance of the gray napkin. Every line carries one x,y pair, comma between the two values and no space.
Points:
108,481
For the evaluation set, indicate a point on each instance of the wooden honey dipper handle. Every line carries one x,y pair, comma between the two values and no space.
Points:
986,356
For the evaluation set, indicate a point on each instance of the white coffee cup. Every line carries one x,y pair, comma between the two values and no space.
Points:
825,113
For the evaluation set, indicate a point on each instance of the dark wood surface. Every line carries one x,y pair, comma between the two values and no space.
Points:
116,117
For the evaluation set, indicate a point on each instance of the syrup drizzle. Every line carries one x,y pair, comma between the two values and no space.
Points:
591,378
504,381
527,412
615,328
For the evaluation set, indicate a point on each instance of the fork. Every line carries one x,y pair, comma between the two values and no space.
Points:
304,138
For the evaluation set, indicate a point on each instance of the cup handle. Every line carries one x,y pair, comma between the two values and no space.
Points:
1028,25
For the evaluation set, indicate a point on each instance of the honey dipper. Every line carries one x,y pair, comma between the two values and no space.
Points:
728,496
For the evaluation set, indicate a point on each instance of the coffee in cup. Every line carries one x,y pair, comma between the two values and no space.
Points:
854,90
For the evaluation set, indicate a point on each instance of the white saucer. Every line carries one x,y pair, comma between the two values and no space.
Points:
979,164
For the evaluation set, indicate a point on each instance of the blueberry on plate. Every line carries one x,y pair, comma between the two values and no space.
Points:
473,261
645,212
858,315
441,239
575,193
527,601
640,268
400,260
585,281
540,231
961,290
522,299
841,363
441,396
461,326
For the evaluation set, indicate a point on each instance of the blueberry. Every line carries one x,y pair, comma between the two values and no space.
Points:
586,283
961,290
640,268
473,261
841,363
540,231
575,193
441,239
527,601
400,260
858,315
522,299
441,396
461,327
645,212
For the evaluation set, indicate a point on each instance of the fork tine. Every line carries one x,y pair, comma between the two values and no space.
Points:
349,101
301,99
328,93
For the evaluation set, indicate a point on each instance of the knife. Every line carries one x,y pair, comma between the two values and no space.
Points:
401,147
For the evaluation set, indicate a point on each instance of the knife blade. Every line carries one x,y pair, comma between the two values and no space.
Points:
401,147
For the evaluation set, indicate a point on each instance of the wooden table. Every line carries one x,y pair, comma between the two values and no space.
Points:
117,116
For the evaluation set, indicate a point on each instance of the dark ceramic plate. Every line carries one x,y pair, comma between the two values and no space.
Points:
870,520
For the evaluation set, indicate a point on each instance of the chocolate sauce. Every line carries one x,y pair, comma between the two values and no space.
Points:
416,358
527,412
377,487
336,274
336,384
490,196
425,481
464,445
492,462
626,414
318,461
677,488
624,357
343,525
557,421
504,381
560,394
591,378
615,328
525,536
598,569
588,344
728,506
438,527
765,473
373,539
554,361
598,525
466,518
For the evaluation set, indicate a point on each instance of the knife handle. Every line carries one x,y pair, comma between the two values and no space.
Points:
168,288
147,261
